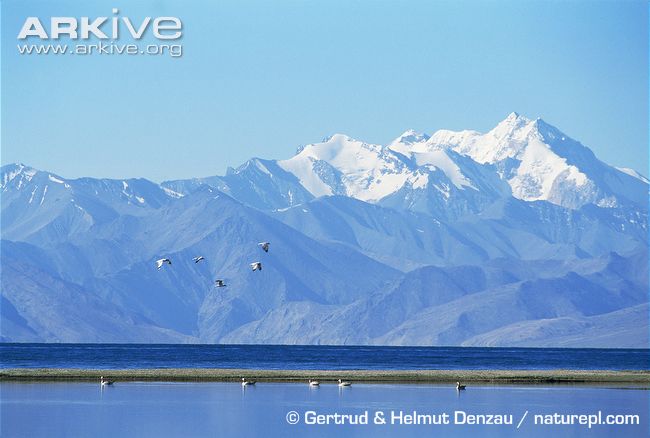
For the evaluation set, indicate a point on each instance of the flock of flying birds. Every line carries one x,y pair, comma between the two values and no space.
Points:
255,266
219,282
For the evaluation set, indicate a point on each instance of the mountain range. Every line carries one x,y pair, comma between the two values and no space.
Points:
519,236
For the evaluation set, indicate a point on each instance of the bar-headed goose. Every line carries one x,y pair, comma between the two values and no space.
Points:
161,262
245,382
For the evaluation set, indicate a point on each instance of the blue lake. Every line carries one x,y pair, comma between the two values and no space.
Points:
124,356
133,409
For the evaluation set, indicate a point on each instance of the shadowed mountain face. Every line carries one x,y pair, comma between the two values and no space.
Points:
519,236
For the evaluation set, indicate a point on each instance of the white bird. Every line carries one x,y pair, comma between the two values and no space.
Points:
342,383
198,259
245,382
314,382
103,382
219,283
256,266
460,387
264,245
161,262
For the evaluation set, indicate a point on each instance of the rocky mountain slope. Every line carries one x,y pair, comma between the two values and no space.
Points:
519,236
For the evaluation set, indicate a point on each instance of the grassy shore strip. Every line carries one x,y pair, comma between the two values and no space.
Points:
359,376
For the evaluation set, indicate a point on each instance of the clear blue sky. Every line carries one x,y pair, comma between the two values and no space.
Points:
260,78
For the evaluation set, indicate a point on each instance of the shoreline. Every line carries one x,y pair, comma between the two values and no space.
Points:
532,377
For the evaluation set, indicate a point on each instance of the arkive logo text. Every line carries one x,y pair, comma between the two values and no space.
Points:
112,34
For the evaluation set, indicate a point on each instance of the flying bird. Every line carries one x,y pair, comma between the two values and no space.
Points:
256,266
198,259
161,262
264,246
219,283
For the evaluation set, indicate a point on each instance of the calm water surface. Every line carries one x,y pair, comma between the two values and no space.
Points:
226,409
124,356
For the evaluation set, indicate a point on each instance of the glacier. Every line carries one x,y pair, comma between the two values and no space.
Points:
519,236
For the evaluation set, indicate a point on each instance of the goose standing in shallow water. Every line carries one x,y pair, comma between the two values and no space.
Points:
314,383
161,262
245,382
342,383
256,266
460,387
103,382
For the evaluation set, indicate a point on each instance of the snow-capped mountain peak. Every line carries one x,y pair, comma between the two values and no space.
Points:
429,156
445,138
18,174
512,122
538,161
404,143
411,136
339,147
506,140
342,165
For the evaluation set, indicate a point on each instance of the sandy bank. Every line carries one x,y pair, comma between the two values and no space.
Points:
359,376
